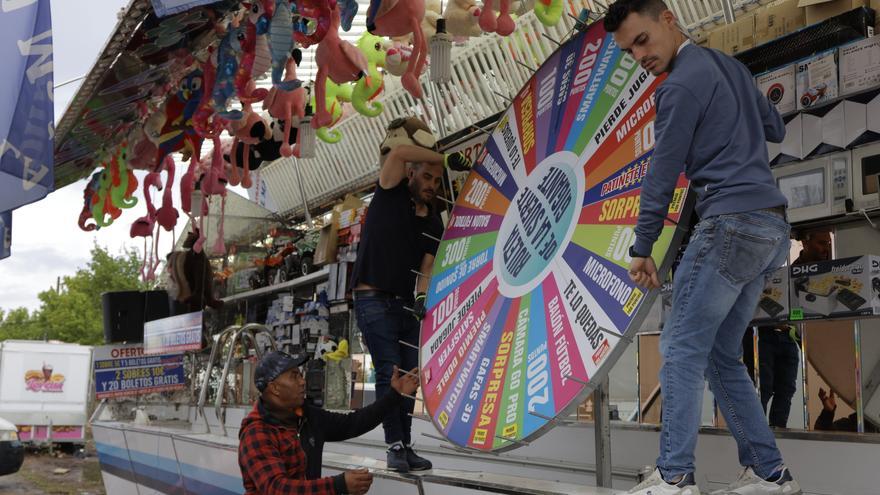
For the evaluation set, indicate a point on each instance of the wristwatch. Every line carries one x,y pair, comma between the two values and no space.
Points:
634,254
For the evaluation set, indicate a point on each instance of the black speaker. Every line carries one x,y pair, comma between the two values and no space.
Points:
126,311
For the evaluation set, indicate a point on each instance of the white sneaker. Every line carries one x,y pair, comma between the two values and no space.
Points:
656,485
750,483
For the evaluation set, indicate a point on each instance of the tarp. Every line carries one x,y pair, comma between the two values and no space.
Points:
26,111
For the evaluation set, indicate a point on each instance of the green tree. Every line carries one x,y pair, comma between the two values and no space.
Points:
74,314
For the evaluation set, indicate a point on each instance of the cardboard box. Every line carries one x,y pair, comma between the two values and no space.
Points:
778,86
859,65
836,288
325,252
735,37
816,79
777,20
774,303
819,10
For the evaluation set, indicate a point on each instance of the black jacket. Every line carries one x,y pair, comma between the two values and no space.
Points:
317,426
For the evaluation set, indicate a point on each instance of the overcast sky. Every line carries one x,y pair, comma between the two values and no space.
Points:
46,242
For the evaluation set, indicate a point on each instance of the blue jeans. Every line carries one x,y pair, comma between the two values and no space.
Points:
779,360
384,322
715,292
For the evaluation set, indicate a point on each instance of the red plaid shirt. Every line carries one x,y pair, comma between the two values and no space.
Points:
272,460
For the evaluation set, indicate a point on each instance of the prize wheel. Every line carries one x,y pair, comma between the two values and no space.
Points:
530,302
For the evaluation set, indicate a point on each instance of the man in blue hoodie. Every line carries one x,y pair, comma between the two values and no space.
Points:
712,124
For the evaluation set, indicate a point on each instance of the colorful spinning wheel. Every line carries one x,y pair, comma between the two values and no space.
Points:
530,299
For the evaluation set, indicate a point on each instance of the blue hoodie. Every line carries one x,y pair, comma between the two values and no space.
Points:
713,123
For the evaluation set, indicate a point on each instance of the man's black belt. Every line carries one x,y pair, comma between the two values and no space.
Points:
357,294
779,210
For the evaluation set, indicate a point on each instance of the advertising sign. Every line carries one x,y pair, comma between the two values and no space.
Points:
173,334
126,370
530,302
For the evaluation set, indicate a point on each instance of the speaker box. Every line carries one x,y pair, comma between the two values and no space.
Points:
126,311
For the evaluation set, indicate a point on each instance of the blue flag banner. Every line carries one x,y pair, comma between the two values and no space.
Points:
5,234
168,7
27,117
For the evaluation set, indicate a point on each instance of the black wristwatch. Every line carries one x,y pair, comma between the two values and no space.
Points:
634,254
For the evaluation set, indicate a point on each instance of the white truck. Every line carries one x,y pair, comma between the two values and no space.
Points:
44,389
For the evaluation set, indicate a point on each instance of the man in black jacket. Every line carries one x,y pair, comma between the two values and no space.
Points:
281,441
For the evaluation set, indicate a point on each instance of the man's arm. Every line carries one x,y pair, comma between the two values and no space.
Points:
774,127
394,165
678,113
260,460
342,426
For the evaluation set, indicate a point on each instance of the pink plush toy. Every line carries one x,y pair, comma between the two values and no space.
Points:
399,18
143,227
250,129
504,25
285,105
339,60
167,215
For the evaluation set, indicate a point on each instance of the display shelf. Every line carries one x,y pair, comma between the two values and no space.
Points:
825,35
290,284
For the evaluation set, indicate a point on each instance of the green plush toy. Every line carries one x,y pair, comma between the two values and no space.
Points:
366,89
336,95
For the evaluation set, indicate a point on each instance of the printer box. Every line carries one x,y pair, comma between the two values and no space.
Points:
774,303
779,87
816,79
859,65
836,288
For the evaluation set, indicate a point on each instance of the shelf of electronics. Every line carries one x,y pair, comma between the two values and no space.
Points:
311,278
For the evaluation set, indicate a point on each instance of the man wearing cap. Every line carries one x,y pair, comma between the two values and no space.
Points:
400,238
282,439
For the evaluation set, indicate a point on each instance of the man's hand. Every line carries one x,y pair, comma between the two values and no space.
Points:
828,401
406,384
643,272
457,162
358,481
419,309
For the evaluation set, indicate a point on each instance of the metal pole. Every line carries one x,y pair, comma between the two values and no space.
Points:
302,191
602,434
860,406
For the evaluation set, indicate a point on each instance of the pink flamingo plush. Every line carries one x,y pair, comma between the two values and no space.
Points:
339,60
167,215
143,227
400,18
504,25
285,105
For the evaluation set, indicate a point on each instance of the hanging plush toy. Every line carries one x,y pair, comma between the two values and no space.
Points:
124,181
429,22
143,227
256,25
103,210
347,9
397,58
227,67
281,37
261,12
548,11
334,96
167,215
462,18
86,213
171,128
250,129
338,60
286,105
503,25
399,18
368,88
314,14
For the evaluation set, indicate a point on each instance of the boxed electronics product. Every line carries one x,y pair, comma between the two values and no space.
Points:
779,87
836,288
859,65
816,79
777,20
735,37
774,303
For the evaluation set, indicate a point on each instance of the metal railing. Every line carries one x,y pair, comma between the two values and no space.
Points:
238,335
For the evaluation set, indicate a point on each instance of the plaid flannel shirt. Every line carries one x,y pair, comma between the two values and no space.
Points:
272,460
